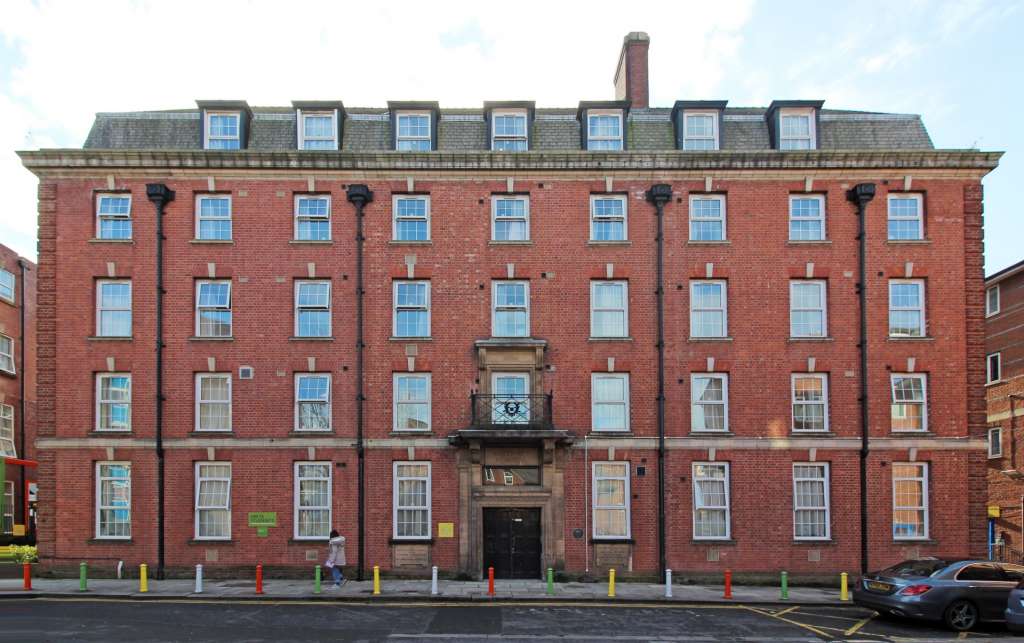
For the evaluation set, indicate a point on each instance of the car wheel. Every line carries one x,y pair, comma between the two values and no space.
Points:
961,615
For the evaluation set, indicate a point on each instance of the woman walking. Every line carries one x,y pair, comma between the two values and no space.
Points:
336,557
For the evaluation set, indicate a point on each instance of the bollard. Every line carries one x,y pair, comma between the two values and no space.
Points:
120,569
490,581
26,575
199,579
728,584
844,588
668,583
143,578
316,579
611,583
83,571
785,586
551,582
433,580
259,579
376,580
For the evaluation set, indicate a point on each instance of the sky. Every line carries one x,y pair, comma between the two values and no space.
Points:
960,64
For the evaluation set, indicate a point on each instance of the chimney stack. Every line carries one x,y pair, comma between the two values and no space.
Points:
631,75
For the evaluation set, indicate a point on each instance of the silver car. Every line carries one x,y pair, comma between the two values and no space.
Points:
961,593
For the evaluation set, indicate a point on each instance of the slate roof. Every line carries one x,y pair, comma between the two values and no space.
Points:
369,130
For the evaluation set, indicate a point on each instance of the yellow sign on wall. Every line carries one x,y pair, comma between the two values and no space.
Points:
445,529
993,511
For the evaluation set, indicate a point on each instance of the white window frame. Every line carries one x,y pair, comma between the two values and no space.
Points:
7,517
827,495
617,113
925,508
823,309
199,402
226,507
298,509
525,138
924,404
7,355
430,130
821,218
991,310
724,377
624,285
109,216
395,308
200,218
495,309
728,500
988,368
7,446
922,309
394,499
495,199
8,284
821,377
498,416
594,217
595,507
100,402
311,218
100,309
723,218
995,442
200,309
594,402
919,217
299,401
333,138
395,402
299,308
209,138
99,507
714,138
725,306
811,138
395,218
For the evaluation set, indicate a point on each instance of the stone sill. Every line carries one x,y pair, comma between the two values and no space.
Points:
211,434
609,243
124,241
309,433
215,242
109,541
311,339
709,339
595,434
914,541
311,242
111,338
908,242
493,242
813,434
206,542
609,339
813,542
810,339
10,374
411,434
612,541
8,302
106,434
195,338
926,338
411,541
394,242
712,542
693,242
709,434
809,242
410,339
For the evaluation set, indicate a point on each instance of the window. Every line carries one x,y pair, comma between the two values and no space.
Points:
313,402
411,218
113,402
511,314
213,402
213,308
213,218
412,401
993,368
213,501
709,402
609,306
509,392
511,218
909,402
413,132
7,518
992,300
711,501
707,218
607,218
611,500
810,402
984,572
312,308
114,500
6,354
909,501
807,309
113,216
796,129
114,308
906,220
312,218
508,132
312,500
317,131
222,131
708,316
604,130
412,500
906,308
995,442
700,131
7,449
609,401
412,309
810,501
6,285
807,217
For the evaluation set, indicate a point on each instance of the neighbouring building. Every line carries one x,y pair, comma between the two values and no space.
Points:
1004,392
610,335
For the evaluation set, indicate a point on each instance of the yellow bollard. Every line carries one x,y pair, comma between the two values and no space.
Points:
376,580
844,589
143,579
611,583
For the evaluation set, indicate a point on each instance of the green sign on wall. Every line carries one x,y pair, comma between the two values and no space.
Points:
263,519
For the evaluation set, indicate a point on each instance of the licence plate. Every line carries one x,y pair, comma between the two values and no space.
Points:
879,587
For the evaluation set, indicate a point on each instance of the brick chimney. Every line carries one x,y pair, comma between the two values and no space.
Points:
631,74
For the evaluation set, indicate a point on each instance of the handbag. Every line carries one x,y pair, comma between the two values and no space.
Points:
329,564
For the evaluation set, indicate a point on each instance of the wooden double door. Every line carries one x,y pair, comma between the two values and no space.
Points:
512,542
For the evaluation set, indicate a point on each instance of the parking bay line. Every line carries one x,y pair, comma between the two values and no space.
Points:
859,624
809,628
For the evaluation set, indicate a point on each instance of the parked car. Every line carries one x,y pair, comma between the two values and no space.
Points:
1015,609
960,593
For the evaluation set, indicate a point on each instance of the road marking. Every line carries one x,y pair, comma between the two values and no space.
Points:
814,615
809,628
859,624
787,610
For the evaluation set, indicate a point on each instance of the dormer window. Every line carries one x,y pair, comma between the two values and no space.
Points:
509,132
700,131
604,130
796,129
413,132
223,131
318,131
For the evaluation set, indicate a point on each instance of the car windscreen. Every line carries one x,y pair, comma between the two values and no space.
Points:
915,568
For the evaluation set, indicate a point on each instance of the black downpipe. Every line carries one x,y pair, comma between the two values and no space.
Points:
160,195
21,398
861,195
659,195
359,195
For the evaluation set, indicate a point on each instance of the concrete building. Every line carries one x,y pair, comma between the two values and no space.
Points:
611,335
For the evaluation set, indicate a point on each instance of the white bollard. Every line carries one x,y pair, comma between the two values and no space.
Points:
199,579
668,583
433,581
120,569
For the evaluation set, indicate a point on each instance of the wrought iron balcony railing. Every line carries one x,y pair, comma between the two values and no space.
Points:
511,411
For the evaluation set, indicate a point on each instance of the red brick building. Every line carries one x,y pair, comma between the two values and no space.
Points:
17,396
611,335
1004,392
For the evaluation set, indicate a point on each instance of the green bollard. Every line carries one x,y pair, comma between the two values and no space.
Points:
551,582
316,579
83,571
785,586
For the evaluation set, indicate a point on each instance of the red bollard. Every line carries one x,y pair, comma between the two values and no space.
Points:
490,581
259,579
728,584
26,572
